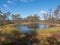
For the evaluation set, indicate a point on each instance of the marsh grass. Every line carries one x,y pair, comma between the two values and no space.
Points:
9,35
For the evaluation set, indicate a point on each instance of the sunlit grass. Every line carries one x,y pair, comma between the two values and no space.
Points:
42,34
51,30
48,32
8,29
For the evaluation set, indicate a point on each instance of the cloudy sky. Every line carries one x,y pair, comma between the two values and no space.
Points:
27,7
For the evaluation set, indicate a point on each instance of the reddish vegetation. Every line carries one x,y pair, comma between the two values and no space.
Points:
57,36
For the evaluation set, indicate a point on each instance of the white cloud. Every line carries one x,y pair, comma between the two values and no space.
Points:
11,1
43,12
25,1
59,12
5,5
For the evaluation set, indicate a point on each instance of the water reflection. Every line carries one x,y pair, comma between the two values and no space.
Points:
33,26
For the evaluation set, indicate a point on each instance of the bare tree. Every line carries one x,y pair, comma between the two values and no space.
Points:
50,14
57,13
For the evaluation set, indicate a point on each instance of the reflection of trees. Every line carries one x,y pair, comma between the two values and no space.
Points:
33,25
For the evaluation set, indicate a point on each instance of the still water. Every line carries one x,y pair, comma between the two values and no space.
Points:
28,27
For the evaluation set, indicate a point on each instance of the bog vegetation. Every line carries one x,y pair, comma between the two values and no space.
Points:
12,36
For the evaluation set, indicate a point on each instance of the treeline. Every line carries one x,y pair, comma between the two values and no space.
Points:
51,16
4,18
8,18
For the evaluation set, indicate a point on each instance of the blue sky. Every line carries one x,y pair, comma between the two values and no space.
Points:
27,7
